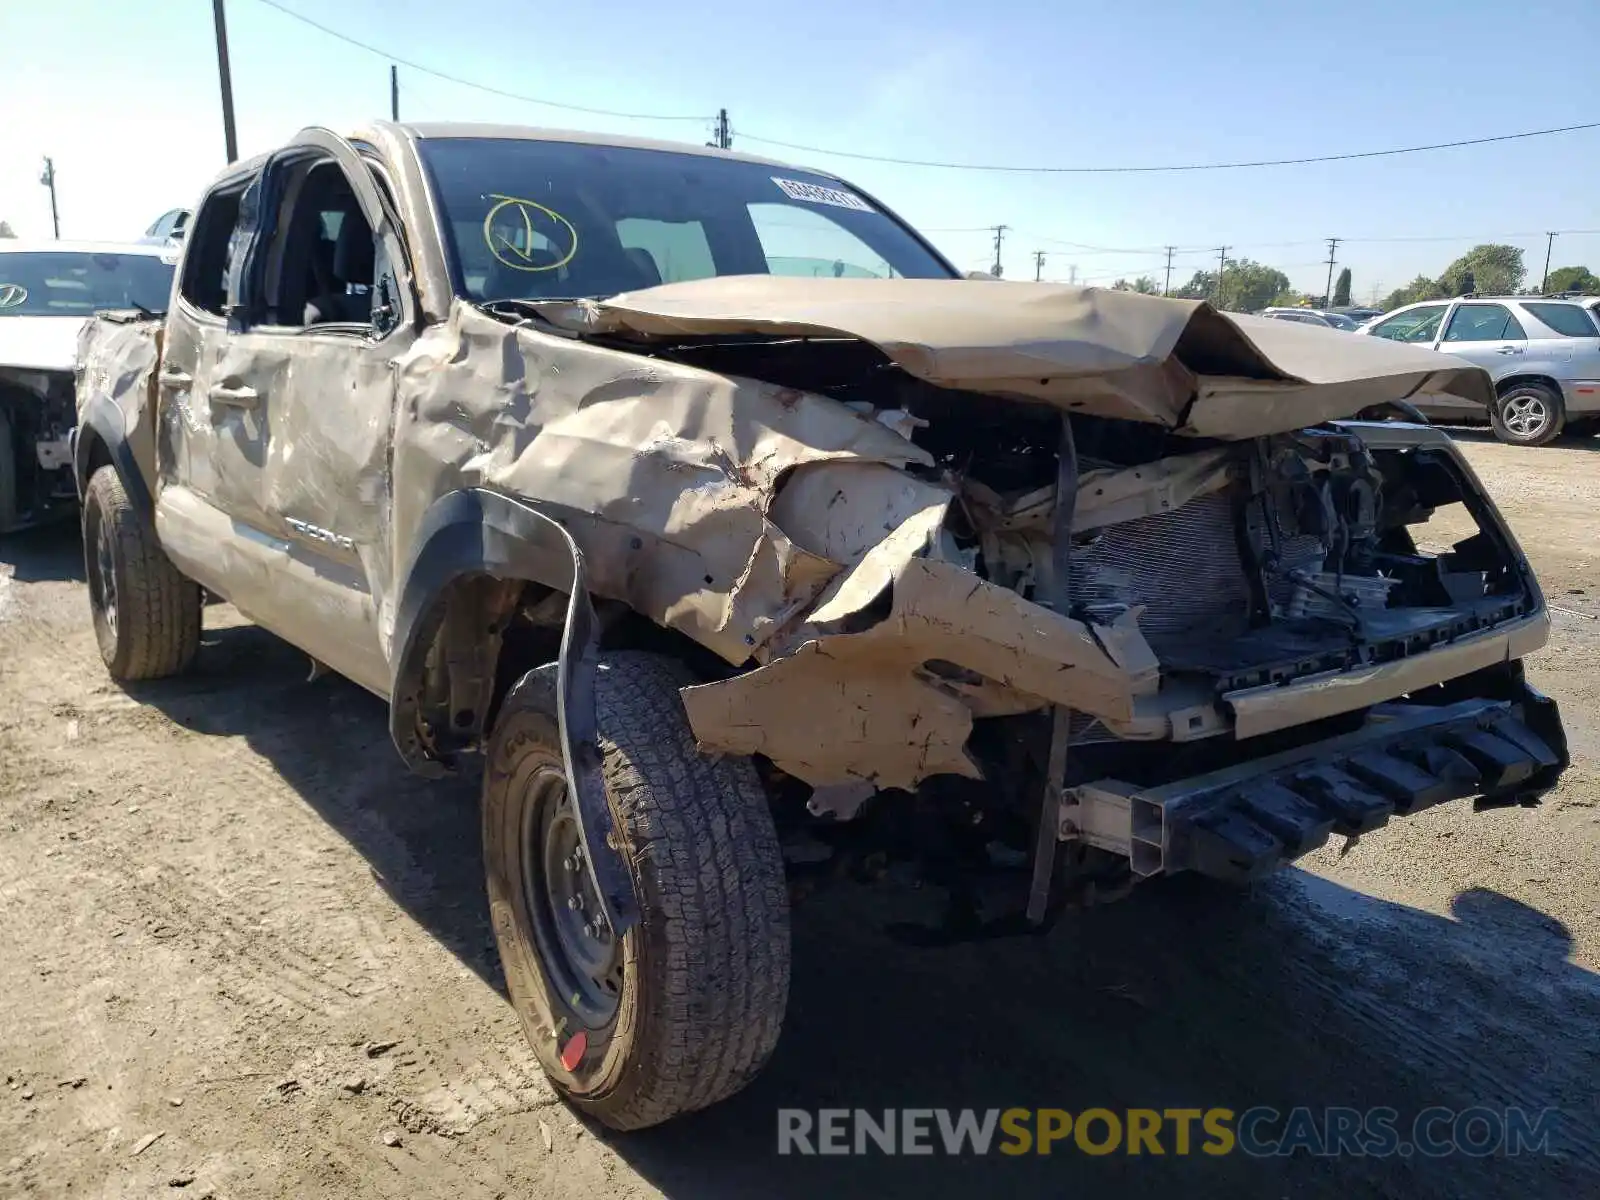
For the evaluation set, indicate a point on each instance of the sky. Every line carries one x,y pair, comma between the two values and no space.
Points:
123,95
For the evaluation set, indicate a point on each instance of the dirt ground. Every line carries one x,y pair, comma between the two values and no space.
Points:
233,924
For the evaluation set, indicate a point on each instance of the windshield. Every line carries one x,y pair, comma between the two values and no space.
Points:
1339,321
529,219
67,283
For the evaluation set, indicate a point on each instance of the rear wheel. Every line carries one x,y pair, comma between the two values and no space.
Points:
1528,414
684,1009
146,614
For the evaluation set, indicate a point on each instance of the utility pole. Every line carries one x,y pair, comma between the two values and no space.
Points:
1072,275
394,92
1038,265
1166,287
722,134
1222,267
999,239
1549,245
220,20
48,178
1327,295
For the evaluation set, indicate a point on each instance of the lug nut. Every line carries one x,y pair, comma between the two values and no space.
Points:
575,903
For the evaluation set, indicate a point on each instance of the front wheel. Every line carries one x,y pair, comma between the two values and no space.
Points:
1528,414
146,614
684,1009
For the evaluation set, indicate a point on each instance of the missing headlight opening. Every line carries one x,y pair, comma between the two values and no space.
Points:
1279,586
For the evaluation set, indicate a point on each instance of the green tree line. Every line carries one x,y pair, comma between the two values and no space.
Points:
1490,270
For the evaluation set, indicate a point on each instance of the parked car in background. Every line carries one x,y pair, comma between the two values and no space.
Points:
168,227
1544,357
1357,314
1312,316
47,289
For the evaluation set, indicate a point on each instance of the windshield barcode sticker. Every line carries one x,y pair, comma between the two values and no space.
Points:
817,194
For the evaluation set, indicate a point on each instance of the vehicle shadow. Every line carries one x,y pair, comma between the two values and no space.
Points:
1567,441
45,553
1301,992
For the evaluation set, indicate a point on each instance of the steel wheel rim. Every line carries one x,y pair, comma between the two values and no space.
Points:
579,953
104,583
1526,416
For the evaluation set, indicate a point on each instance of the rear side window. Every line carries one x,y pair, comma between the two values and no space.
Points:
1569,320
1483,323
667,251
208,247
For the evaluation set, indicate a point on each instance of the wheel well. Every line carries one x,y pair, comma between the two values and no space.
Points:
482,634
1512,381
99,454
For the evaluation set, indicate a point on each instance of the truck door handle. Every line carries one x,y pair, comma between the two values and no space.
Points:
176,377
234,397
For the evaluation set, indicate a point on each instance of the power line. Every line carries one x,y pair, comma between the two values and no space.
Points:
1216,166
457,79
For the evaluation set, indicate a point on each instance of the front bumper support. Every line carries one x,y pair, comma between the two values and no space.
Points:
1244,821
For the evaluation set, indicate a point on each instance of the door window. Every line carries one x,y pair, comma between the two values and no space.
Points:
210,245
322,259
1569,320
1483,323
1413,325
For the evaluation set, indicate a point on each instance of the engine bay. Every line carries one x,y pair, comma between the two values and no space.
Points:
1296,554
1249,563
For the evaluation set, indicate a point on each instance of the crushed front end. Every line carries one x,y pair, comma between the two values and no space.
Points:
1259,643
1137,585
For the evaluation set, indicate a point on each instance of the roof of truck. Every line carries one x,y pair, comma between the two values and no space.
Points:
468,129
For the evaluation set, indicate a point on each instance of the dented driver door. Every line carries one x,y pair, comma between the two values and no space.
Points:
327,367
301,396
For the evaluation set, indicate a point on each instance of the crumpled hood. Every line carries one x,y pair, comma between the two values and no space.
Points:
39,343
1178,363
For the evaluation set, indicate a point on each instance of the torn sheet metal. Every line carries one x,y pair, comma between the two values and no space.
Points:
1177,363
861,706
690,492
119,355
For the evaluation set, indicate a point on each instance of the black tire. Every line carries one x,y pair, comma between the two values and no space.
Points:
8,472
697,989
146,615
1528,414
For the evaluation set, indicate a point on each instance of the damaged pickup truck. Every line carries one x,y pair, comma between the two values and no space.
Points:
703,498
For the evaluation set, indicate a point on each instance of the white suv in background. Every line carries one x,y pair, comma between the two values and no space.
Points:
1544,356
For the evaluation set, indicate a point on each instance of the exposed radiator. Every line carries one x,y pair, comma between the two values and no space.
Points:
1183,567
